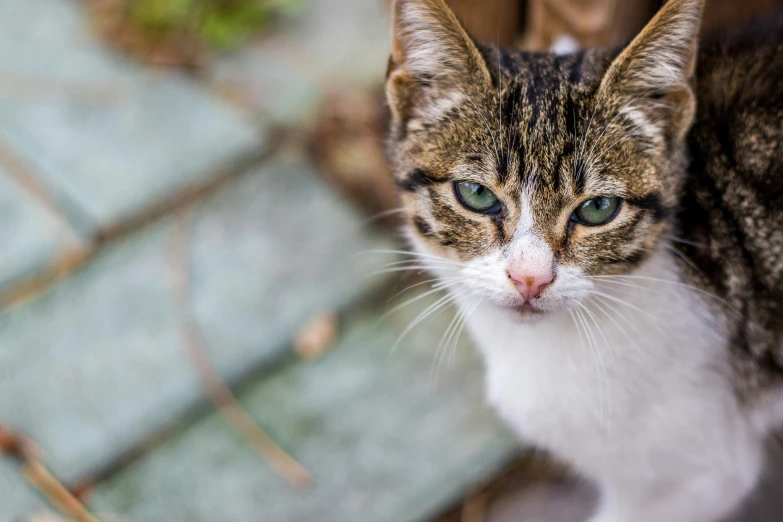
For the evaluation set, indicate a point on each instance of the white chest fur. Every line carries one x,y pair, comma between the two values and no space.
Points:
640,385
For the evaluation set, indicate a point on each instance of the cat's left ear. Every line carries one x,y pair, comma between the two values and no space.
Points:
653,76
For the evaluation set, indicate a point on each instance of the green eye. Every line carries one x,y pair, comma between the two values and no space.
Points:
597,211
477,198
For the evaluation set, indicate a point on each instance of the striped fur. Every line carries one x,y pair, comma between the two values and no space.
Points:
684,286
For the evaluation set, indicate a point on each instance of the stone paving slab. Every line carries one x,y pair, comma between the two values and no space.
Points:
383,442
17,498
99,364
29,234
107,137
330,46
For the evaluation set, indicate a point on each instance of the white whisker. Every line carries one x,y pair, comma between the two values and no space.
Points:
441,304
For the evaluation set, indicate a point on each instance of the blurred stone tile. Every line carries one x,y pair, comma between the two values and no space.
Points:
49,40
107,137
31,236
383,440
99,364
330,46
17,498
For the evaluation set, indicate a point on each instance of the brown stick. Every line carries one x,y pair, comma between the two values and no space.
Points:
214,386
17,445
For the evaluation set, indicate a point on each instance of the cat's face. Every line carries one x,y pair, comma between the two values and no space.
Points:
524,176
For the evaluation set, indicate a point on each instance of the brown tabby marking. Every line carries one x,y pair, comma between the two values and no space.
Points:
693,148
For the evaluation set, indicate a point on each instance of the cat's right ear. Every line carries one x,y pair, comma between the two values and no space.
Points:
434,62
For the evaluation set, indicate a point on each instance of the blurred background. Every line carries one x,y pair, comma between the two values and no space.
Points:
206,310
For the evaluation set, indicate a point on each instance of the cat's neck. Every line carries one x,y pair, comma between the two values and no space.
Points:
595,367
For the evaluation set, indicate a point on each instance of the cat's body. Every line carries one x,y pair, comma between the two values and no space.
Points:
618,261
731,211
645,406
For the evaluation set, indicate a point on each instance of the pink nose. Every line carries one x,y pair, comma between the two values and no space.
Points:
530,286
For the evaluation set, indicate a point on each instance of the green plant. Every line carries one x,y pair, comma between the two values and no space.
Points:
220,24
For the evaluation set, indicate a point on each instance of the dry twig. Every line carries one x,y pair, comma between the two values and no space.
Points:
217,390
17,445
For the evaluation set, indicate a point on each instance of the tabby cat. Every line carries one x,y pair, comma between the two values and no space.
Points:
609,223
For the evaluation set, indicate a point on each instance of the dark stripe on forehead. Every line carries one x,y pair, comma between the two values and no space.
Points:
512,99
575,74
507,143
557,169
533,106
503,162
569,115
416,179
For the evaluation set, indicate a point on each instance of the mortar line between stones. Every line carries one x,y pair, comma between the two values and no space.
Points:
72,259
198,410
26,179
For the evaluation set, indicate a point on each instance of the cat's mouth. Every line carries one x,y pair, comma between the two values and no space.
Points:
527,310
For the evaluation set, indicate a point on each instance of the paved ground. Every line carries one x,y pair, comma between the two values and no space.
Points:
150,222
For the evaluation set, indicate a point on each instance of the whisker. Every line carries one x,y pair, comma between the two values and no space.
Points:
423,260
669,281
600,306
380,215
441,352
459,333
591,346
404,253
438,306
433,280
618,312
685,241
687,261
416,265
627,304
602,330
435,289
420,269
572,313
441,349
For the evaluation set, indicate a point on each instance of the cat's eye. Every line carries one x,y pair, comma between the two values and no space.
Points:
477,198
597,211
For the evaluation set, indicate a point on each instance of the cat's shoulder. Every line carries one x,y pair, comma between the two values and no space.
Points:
741,71
739,87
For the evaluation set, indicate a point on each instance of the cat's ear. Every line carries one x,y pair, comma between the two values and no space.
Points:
653,75
434,62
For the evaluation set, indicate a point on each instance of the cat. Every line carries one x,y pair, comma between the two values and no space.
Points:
609,224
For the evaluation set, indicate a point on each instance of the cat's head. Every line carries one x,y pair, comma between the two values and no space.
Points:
524,175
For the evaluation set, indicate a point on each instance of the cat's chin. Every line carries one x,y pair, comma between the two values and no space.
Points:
527,312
